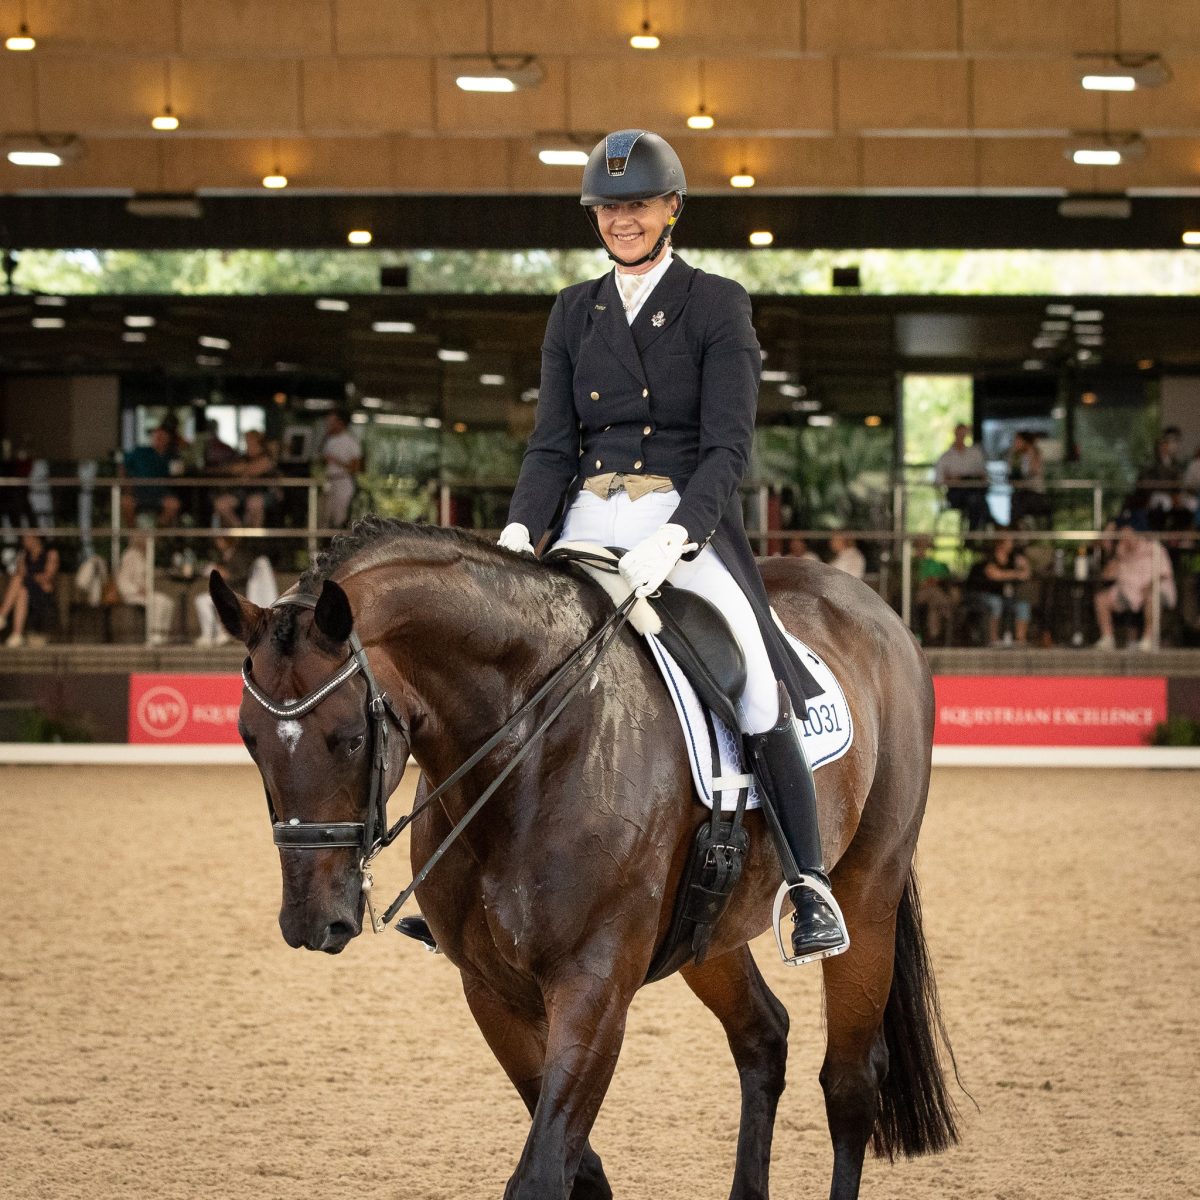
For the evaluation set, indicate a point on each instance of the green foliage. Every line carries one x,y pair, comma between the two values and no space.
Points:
1176,731
39,725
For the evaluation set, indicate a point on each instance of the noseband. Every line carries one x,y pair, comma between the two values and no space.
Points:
369,836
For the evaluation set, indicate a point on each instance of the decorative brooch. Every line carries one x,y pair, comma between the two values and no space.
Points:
659,319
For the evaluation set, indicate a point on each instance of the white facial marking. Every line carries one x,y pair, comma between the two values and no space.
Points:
289,734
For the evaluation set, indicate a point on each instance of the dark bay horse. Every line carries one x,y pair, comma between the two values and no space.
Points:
553,901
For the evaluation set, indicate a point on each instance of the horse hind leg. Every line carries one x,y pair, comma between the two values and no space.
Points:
519,1044
756,1024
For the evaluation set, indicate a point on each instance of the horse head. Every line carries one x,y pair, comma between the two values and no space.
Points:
330,747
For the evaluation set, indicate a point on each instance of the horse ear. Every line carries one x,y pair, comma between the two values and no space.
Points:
332,616
237,614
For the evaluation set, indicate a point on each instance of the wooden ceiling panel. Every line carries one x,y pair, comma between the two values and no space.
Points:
237,95
630,92
1166,26
788,93
881,26
264,28
1038,26
429,165
354,163
716,27
887,93
1005,98
530,109
777,163
17,95
917,162
108,164
411,27
368,95
101,95
1174,106
1033,163
89,26
1169,162
551,27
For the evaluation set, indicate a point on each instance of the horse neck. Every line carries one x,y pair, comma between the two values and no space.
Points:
470,640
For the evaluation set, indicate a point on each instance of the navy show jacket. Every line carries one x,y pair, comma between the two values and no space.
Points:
673,394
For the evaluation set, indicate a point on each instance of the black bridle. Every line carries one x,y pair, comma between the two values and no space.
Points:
373,835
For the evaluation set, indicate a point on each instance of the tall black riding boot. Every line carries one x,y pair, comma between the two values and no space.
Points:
790,803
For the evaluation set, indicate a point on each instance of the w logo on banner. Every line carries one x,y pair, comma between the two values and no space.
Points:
191,709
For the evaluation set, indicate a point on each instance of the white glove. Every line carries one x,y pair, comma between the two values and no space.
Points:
646,566
515,537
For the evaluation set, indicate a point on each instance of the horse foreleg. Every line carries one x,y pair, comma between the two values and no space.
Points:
518,1040
586,1024
756,1024
856,1058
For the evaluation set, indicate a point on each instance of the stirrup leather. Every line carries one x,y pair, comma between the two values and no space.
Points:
826,894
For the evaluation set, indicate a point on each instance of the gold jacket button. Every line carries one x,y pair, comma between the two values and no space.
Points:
595,395
645,393
637,466
599,464
647,430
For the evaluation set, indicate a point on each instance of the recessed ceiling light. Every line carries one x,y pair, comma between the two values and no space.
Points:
328,304
821,419
562,158
207,360
1059,310
133,335
431,422
761,237
50,301
393,327
48,322
793,390
371,402
139,322
1192,237
530,395
359,237
215,343
1088,314
498,75
452,355
775,376
492,380
1033,364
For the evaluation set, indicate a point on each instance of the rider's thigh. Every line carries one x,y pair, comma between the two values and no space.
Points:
707,575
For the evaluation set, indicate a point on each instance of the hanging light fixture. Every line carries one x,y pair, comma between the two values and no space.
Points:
359,237
1105,149
645,38
701,118
276,179
743,179
22,39
166,121
1121,72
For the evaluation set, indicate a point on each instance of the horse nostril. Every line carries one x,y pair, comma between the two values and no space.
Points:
337,935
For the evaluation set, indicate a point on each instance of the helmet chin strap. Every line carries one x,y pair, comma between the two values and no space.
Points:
655,250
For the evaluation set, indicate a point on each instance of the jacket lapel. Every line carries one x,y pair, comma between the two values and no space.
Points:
608,316
663,306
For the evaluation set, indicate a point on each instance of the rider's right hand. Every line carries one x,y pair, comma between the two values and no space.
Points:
515,537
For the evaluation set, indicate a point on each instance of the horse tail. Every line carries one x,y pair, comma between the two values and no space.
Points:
916,1114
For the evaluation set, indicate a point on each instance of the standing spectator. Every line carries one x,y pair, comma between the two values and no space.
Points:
1027,469
132,587
1005,571
342,455
30,594
1132,569
847,556
963,472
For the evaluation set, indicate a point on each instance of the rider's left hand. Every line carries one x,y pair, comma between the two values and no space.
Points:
646,566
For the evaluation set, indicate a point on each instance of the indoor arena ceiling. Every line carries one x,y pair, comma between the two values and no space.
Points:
359,96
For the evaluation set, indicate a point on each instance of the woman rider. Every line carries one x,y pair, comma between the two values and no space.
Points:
643,432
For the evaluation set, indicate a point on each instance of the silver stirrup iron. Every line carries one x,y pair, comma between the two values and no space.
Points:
791,960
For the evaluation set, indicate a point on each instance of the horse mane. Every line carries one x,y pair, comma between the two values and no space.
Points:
373,540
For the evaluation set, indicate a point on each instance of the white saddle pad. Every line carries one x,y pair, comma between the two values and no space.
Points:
827,733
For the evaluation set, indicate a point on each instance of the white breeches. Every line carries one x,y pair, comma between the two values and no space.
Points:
619,521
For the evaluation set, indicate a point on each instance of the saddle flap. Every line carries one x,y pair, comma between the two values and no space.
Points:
700,639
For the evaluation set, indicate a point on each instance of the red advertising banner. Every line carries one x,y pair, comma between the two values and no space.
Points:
1048,710
191,709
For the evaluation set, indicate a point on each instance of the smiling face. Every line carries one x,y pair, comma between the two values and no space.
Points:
630,229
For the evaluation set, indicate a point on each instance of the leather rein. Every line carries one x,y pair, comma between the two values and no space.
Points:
372,835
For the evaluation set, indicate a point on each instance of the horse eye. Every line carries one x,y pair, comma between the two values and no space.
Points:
356,743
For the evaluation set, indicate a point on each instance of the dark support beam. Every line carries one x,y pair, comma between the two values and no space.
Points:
555,222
